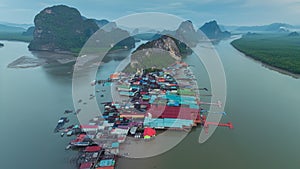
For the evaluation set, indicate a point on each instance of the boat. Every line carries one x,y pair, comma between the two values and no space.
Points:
68,111
61,122
70,133
68,146
70,127
133,130
81,144
93,83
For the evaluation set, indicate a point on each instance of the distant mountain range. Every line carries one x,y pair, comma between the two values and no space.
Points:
7,28
165,47
293,34
24,26
62,28
274,27
187,34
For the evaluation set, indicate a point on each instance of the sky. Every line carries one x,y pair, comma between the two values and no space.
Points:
226,12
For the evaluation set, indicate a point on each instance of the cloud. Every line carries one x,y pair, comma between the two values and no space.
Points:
4,4
268,3
176,4
163,7
293,10
21,10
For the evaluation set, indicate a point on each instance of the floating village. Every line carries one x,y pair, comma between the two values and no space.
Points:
145,104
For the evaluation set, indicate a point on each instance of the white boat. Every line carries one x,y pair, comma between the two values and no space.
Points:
69,133
133,130
68,146
81,144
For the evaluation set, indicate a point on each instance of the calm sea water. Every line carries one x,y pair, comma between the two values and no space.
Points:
262,104
31,102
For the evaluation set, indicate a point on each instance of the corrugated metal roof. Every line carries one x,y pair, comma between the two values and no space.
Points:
92,149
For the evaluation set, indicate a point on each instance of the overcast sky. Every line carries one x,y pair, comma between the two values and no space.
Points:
228,12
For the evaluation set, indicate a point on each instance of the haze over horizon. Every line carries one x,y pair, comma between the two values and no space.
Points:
226,12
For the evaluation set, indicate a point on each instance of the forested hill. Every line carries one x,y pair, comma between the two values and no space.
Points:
278,50
61,28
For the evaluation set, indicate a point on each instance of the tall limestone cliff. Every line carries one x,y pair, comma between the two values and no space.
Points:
212,31
187,34
61,28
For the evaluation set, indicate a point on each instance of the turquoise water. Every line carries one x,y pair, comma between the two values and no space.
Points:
262,104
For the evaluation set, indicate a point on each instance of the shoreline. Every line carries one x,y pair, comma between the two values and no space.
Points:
75,54
57,52
14,40
270,67
54,52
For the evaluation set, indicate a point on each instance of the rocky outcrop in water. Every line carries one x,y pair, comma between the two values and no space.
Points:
187,34
61,28
293,34
212,31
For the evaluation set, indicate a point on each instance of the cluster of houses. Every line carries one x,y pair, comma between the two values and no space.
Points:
154,100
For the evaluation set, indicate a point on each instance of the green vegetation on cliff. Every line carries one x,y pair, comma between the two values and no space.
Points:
159,53
61,28
167,43
278,50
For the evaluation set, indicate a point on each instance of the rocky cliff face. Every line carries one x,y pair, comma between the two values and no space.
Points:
175,47
187,34
159,53
212,31
61,28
